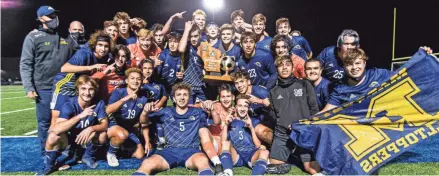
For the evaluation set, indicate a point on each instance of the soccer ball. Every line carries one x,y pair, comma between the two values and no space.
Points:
228,63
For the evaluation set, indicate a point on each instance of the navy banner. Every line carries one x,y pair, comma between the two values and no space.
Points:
363,135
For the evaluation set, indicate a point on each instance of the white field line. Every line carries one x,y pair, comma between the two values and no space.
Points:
13,98
16,111
17,136
30,133
12,92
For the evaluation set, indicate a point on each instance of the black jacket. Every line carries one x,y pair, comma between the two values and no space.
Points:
291,100
44,53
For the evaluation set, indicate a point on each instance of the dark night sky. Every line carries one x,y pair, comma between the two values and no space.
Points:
319,21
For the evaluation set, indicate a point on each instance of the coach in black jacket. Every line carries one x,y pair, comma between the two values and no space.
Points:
291,100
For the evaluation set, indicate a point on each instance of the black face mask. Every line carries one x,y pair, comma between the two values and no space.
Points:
79,37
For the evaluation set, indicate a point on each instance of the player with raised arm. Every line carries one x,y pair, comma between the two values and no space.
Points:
125,106
81,123
240,145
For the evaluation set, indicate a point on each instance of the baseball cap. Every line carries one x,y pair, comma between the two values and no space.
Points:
45,10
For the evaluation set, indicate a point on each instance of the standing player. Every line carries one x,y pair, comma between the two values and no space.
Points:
159,37
263,41
114,75
125,106
212,31
331,56
246,148
144,48
227,46
280,46
300,45
170,68
192,61
237,20
86,59
182,126
82,122
257,63
111,29
123,21
157,94
322,87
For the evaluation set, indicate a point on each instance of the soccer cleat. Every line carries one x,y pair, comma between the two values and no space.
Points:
112,160
90,162
219,170
278,169
45,171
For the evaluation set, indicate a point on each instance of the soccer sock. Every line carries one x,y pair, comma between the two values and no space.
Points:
205,172
259,167
160,133
210,152
91,149
134,138
51,156
112,149
226,160
139,173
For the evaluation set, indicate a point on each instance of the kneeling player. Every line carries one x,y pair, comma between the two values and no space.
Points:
182,127
82,122
126,105
245,149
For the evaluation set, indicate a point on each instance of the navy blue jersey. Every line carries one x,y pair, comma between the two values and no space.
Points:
217,44
257,110
235,51
240,136
155,91
71,109
181,131
323,91
169,67
303,43
128,115
260,68
344,93
65,82
332,65
297,48
193,74
264,44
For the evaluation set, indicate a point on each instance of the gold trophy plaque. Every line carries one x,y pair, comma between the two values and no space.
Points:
216,65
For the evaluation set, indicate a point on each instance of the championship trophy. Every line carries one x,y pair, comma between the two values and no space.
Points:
217,65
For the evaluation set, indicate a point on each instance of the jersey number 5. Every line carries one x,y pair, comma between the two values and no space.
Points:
181,126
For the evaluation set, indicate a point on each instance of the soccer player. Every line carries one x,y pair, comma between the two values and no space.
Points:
331,56
182,127
280,46
258,104
322,87
114,75
167,28
156,93
123,21
246,148
194,65
237,20
257,63
87,59
300,45
111,29
159,37
263,41
212,31
82,122
291,100
125,106
227,46
144,48
170,69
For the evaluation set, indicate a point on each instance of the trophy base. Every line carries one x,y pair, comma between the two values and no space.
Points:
216,79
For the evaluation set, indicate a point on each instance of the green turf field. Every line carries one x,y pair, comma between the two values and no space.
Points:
18,119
